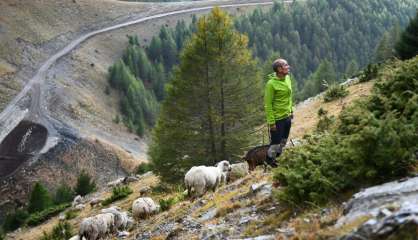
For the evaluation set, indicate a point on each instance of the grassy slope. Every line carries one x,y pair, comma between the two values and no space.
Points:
307,224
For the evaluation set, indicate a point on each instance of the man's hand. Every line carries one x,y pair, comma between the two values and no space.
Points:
273,127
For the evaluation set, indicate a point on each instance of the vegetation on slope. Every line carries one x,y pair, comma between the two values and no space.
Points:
345,33
212,103
407,47
42,206
374,141
300,32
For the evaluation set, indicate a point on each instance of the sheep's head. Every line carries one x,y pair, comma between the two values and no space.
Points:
224,166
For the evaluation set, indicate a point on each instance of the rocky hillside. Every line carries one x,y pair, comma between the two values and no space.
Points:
72,93
242,209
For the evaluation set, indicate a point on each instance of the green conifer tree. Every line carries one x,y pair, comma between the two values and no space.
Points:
39,199
213,101
63,194
407,47
384,49
85,184
154,49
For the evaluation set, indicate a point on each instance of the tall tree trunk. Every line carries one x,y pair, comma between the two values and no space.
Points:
209,109
223,132
222,86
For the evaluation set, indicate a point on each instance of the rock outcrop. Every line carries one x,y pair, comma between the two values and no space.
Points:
392,210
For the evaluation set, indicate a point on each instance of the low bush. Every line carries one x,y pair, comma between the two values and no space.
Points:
335,91
374,141
165,204
39,217
369,73
85,184
15,220
117,194
161,188
61,231
325,122
64,194
179,196
40,199
72,213
143,168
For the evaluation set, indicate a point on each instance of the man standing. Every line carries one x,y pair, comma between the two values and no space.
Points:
278,107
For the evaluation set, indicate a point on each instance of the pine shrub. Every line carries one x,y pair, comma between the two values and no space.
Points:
143,168
166,204
62,231
369,73
117,194
374,141
72,213
85,184
325,122
39,199
39,217
335,91
15,220
63,194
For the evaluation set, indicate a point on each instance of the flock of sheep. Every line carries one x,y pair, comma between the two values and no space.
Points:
113,219
198,180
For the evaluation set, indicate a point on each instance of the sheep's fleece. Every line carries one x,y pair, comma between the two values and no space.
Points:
143,207
199,179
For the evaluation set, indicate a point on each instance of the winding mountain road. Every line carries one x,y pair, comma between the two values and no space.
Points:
18,110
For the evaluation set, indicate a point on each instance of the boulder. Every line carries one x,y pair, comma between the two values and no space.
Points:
370,201
95,201
392,210
401,224
77,200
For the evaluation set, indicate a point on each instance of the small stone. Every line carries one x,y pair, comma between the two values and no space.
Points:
123,234
61,217
384,212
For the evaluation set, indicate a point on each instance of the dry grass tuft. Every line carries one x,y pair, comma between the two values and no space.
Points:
227,208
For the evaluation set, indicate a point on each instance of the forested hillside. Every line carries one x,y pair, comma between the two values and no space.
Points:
338,37
323,40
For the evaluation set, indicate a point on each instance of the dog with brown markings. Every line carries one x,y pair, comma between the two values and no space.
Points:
256,157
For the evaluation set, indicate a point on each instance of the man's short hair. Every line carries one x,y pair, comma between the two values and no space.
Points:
278,63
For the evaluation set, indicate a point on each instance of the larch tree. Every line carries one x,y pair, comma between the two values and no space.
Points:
212,103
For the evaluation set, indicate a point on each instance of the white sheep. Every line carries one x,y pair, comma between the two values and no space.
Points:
202,178
97,227
116,183
108,222
89,229
225,169
122,220
143,207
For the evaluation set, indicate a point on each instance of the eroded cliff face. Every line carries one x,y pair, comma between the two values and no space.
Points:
63,122
62,164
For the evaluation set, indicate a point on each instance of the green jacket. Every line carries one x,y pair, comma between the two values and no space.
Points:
277,98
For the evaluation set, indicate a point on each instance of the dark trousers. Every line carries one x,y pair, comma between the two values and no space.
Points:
279,137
